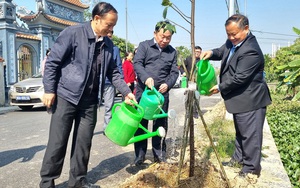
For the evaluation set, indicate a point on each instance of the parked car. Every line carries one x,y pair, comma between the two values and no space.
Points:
27,93
178,81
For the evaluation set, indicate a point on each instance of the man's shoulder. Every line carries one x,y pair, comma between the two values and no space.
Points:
79,28
116,48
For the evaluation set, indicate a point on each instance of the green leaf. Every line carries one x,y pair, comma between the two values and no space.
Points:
282,67
295,63
165,12
296,30
296,97
166,3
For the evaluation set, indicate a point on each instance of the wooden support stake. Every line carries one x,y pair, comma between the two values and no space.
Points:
211,141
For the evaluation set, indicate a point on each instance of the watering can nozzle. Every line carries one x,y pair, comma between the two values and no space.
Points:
172,114
161,132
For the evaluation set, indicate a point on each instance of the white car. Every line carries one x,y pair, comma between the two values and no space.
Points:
27,93
178,81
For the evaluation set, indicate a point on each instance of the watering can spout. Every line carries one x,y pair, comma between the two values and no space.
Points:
160,132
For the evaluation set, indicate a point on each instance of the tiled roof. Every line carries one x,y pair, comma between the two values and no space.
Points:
76,3
27,36
29,18
59,20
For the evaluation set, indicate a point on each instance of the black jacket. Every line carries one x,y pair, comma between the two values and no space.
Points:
69,64
242,85
149,61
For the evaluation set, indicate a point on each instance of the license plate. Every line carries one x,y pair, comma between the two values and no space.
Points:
23,98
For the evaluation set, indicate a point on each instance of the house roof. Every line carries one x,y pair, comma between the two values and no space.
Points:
76,3
32,17
27,36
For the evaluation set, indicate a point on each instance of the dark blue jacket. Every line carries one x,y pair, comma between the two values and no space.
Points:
149,61
69,64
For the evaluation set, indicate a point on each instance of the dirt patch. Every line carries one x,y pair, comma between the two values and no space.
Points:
207,172
165,175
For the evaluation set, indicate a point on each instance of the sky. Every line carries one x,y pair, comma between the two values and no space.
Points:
271,21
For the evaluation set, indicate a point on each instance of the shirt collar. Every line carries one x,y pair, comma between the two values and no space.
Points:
98,38
239,44
156,44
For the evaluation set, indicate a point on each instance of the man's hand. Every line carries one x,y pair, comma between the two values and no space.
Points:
214,90
206,55
149,82
163,88
48,99
130,97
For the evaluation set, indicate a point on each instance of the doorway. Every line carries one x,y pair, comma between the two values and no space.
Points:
24,63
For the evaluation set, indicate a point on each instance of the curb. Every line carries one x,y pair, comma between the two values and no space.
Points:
7,109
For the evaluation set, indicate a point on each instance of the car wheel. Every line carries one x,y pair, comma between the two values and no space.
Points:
26,108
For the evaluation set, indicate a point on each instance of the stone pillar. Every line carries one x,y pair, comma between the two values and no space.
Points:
2,86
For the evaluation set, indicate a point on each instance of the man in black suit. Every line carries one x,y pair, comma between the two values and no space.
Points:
244,91
189,63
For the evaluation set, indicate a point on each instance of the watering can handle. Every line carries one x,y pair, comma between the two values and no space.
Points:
155,91
114,108
139,107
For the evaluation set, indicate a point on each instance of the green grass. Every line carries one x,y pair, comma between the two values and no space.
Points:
223,135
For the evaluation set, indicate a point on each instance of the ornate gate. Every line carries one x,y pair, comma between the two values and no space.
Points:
24,63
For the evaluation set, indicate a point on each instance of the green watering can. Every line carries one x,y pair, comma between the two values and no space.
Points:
124,123
206,77
152,102
183,82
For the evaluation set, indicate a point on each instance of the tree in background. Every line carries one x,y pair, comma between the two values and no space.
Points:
121,43
285,67
182,53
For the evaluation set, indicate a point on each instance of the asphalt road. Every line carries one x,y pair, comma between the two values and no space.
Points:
24,135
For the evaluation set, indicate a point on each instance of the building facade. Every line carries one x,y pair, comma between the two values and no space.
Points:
23,44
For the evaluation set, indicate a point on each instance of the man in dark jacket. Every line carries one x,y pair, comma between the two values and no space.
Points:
155,64
188,63
110,90
244,91
74,75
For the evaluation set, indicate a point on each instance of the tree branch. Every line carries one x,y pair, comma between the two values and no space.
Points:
179,26
180,12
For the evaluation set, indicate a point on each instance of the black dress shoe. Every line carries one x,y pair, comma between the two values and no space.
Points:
139,160
233,163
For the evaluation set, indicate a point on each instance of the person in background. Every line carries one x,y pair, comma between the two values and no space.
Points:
73,81
128,70
155,64
188,62
44,60
110,90
244,91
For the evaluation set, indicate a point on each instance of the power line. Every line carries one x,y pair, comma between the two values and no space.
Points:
273,38
266,32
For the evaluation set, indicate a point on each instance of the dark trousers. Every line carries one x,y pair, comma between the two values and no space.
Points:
84,116
248,142
158,143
